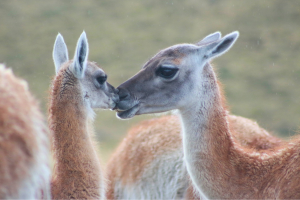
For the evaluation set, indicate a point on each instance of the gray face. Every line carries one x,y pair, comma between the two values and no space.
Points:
97,92
160,86
178,77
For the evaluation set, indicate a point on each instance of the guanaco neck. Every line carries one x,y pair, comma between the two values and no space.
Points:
206,138
76,159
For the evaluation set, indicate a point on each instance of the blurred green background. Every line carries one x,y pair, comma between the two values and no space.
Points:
261,74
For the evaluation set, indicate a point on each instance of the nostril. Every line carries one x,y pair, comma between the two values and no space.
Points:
123,94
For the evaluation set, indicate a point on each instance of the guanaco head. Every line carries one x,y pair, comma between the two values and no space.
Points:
172,78
80,74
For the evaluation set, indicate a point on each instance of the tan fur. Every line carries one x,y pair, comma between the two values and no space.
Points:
229,170
138,149
247,174
153,138
77,173
222,168
219,166
24,142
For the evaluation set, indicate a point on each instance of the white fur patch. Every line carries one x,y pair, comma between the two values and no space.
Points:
166,178
37,185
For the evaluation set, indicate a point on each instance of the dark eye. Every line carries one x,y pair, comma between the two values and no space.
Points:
101,79
166,72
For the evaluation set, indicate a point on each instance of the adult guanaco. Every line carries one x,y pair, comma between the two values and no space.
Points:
24,142
153,156
78,87
181,77
156,145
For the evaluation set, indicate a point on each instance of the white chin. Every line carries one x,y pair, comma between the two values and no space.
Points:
128,113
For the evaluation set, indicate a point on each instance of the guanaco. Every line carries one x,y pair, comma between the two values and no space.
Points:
24,142
181,77
156,145
152,151
78,87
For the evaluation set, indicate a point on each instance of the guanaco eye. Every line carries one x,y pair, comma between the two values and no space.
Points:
166,72
101,79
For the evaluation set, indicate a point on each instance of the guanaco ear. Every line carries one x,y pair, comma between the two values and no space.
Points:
210,38
221,46
60,52
80,57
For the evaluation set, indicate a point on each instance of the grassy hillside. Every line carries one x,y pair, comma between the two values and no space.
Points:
261,74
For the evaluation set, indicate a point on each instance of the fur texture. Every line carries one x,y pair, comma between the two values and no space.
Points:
77,172
156,145
24,142
218,165
75,91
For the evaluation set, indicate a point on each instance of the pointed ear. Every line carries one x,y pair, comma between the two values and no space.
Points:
220,47
80,57
60,52
209,39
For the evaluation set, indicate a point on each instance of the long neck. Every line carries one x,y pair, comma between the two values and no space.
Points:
77,165
206,139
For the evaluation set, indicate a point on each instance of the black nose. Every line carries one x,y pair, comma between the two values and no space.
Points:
123,94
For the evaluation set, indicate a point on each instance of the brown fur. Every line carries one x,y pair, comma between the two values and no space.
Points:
77,173
233,171
217,162
22,132
138,149
191,192
152,138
